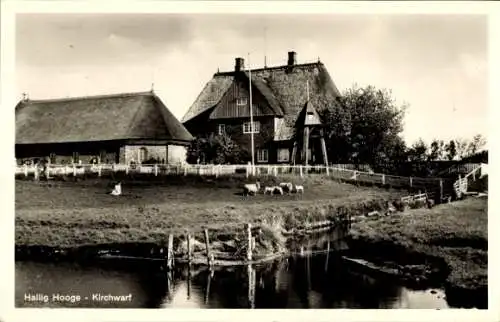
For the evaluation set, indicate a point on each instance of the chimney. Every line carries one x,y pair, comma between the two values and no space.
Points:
292,58
239,64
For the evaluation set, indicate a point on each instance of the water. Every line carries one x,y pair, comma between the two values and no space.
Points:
300,281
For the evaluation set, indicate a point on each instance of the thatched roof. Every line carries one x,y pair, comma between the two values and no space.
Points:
283,86
97,118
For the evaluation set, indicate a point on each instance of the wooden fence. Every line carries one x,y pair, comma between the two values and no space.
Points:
343,174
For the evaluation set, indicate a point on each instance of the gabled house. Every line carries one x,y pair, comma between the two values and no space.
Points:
118,128
285,100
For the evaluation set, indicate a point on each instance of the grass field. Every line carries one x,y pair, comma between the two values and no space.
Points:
62,213
456,232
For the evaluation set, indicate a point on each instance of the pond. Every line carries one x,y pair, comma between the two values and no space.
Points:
303,280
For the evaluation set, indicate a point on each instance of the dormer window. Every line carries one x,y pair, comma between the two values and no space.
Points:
242,101
310,116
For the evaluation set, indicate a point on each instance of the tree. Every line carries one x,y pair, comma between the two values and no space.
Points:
437,150
365,127
217,149
461,147
451,150
418,152
478,142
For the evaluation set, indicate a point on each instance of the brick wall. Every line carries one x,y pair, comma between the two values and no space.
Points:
176,154
133,152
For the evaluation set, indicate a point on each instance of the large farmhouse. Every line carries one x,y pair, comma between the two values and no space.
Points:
117,128
285,100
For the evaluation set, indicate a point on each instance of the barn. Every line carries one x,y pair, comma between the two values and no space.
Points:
119,128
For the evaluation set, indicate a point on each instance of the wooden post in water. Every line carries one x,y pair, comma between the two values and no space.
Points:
327,255
251,286
207,245
249,242
188,239
441,190
189,282
170,252
210,275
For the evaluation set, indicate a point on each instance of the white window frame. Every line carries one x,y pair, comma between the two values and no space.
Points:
287,159
247,129
221,129
242,101
262,155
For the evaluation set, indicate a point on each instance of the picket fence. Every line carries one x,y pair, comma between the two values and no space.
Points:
338,172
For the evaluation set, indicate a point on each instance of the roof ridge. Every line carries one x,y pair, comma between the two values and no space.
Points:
76,98
271,68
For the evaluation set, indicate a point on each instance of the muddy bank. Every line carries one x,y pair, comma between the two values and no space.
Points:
442,247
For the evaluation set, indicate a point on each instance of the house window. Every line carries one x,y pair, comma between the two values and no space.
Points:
247,127
222,129
262,156
283,155
242,101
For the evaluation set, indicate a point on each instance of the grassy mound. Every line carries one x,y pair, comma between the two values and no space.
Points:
455,233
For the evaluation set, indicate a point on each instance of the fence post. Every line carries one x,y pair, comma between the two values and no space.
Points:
249,242
300,169
207,245
99,170
411,182
355,176
441,190
126,168
327,171
74,170
26,170
170,251
156,170
383,179
185,169
189,248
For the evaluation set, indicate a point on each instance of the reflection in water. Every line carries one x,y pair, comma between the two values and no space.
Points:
299,281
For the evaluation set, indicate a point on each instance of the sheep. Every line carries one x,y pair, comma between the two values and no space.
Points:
117,189
278,190
269,189
251,188
299,189
286,186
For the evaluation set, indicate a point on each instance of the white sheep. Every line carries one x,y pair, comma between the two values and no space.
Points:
279,190
269,189
251,188
117,189
286,186
299,189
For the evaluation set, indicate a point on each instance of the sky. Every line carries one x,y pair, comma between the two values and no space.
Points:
437,64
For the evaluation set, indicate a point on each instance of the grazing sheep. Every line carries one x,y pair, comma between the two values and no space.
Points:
278,190
269,189
299,189
117,190
286,186
251,188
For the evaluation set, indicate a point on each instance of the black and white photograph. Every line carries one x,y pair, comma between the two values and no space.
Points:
250,160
